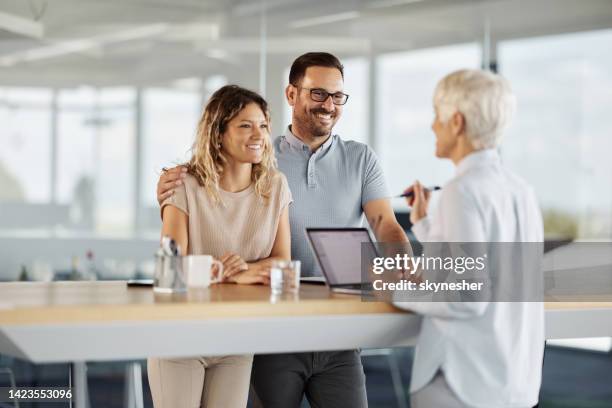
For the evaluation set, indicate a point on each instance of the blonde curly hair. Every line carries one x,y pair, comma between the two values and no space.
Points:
207,161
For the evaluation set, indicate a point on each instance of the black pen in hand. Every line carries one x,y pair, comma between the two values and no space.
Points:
411,193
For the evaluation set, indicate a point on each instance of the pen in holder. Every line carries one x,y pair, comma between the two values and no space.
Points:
169,274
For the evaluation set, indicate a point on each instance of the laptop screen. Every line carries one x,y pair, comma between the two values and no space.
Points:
338,252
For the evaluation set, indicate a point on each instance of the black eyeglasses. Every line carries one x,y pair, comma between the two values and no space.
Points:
321,95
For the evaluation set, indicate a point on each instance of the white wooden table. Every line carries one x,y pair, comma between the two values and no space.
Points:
105,321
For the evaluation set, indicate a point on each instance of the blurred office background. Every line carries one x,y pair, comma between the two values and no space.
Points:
96,96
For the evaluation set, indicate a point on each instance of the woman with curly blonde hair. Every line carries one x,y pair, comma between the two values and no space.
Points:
232,204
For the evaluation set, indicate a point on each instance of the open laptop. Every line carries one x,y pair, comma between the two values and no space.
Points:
338,253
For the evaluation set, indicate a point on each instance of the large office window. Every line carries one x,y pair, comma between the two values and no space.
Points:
406,82
117,155
95,157
560,140
25,156
170,119
96,152
77,147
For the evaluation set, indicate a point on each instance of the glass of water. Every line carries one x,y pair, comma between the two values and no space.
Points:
285,277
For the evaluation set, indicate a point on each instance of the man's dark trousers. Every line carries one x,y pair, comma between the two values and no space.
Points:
329,379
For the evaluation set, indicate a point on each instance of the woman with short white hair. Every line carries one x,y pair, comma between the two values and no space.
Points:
479,104
485,353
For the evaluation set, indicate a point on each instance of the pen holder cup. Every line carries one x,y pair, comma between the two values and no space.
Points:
169,274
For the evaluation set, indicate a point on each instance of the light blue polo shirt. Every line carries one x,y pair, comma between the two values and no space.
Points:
329,187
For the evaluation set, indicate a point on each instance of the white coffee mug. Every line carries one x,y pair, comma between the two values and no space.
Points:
198,270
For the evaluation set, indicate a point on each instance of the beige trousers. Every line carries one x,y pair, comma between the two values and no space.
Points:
200,382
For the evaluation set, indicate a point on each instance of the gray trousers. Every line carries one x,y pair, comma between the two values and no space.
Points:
436,394
329,379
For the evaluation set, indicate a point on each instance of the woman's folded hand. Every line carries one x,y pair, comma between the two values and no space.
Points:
232,265
253,275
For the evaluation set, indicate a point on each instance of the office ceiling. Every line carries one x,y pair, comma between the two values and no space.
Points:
108,42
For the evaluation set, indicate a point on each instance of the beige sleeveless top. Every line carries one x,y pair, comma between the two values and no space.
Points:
242,223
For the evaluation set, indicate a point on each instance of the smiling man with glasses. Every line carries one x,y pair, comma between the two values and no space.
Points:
315,94
334,182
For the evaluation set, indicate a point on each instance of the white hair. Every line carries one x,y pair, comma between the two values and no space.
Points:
483,98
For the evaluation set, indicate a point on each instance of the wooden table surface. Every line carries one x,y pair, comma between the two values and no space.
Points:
36,302
106,321
32,302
